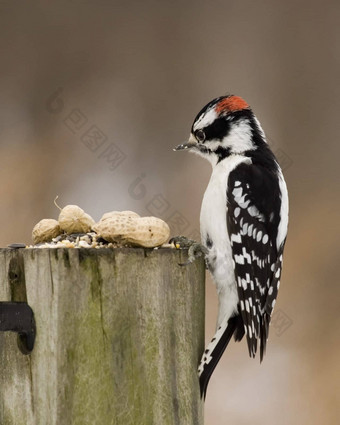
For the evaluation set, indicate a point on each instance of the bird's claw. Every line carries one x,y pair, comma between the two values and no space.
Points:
195,249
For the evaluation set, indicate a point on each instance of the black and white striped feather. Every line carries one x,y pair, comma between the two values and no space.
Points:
257,260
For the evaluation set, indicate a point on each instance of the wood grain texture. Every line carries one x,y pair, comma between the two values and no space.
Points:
119,337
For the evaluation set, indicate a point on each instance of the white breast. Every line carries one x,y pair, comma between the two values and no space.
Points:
214,225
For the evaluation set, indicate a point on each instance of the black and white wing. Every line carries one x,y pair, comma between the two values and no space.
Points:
253,218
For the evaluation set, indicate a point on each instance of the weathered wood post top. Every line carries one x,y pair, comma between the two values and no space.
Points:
120,332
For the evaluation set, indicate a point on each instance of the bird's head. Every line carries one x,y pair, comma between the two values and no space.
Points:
225,126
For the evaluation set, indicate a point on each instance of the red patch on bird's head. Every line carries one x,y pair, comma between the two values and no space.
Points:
231,104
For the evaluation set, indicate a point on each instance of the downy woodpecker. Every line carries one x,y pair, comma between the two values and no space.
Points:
244,219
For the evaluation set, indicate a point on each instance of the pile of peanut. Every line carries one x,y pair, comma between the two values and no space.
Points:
74,228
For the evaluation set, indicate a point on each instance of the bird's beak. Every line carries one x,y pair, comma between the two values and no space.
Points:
192,142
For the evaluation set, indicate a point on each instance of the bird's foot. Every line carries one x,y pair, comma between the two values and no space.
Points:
195,249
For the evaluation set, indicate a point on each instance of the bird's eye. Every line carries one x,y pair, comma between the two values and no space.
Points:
200,135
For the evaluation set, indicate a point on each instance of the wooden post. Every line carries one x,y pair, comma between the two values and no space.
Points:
119,336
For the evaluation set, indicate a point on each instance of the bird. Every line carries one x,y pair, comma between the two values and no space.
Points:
243,224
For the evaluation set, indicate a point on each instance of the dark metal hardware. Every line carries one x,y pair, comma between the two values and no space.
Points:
18,317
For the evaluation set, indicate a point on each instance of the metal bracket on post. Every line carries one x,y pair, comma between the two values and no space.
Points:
18,317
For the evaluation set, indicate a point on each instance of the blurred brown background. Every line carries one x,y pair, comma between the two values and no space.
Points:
94,95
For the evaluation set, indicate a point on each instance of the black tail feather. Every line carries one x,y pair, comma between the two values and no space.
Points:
233,325
264,334
239,331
